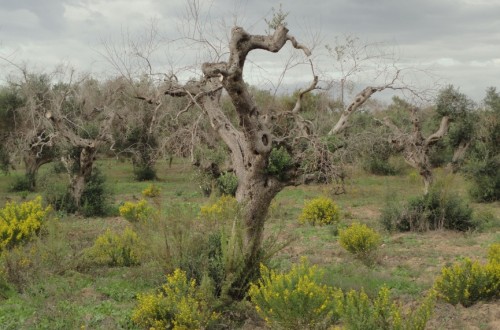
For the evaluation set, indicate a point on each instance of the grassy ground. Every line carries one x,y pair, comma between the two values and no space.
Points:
59,292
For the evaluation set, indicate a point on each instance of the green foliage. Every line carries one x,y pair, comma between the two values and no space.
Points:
452,103
485,177
362,313
320,211
376,160
21,183
114,249
279,18
4,159
279,162
297,299
21,222
95,196
137,212
180,304
95,200
227,183
436,210
144,172
468,282
360,240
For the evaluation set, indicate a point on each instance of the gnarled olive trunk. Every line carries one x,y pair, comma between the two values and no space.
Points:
255,193
32,164
79,173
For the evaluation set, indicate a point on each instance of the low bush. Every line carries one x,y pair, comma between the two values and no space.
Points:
21,183
379,166
320,211
494,253
436,210
468,282
297,299
21,222
362,313
179,304
136,212
114,249
144,173
360,240
96,196
95,200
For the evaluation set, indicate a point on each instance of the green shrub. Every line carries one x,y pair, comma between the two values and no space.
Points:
360,240
379,166
21,183
320,211
95,196
436,210
296,300
468,282
362,313
114,249
95,200
144,173
20,222
180,304
227,183
136,212
279,162
485,177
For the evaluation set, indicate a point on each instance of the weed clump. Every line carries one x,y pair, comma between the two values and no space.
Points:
225,208
296,300
114,249
360,240
151,191
179,304
136,212
320,211
360,312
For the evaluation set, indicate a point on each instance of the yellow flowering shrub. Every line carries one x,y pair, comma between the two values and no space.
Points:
114,249
359,240
360,312
20,222
224,208
320,211
494,253
469,281
151,191
180,304
135,212
295,300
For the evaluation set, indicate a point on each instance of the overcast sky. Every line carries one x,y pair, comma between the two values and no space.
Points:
459,40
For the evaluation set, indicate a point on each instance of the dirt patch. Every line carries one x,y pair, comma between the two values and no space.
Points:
484,315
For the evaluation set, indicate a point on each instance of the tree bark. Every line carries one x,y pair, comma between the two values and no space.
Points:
415,147
32,164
